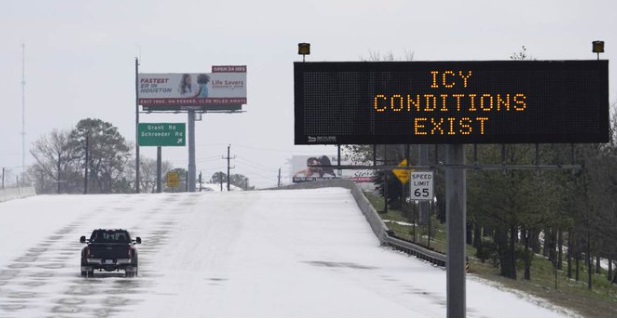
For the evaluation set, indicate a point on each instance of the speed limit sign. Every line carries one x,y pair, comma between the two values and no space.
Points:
422,185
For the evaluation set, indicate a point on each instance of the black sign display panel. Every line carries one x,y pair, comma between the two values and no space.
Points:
462,102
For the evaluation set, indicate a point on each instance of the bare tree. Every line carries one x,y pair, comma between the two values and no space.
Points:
148,173
55,160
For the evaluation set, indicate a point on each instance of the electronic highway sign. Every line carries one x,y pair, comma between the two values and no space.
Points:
453,102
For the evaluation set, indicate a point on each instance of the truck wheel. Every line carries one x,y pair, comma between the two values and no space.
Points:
85,273
135,266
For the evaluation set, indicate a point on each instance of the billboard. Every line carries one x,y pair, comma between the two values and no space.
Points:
222,89
303,170
455,102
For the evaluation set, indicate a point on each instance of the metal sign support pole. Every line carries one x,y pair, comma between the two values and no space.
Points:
192,168
137,177
385,179
423,206
456,202
159,160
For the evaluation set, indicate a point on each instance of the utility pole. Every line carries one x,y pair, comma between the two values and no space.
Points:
221,180
86,168
228,158
23,108
279,183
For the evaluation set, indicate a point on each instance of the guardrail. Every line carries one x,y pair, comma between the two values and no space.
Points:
17,192
383,233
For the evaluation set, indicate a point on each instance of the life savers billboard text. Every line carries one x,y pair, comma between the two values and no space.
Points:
225,86
451,102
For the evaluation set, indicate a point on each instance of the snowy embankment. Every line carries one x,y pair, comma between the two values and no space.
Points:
285,253
17,192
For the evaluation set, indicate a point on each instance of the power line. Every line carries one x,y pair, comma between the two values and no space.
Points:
259,174
208,160
255,165
263,149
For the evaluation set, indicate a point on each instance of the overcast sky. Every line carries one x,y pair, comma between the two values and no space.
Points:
80,58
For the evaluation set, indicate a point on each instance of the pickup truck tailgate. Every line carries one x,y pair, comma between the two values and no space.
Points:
109,251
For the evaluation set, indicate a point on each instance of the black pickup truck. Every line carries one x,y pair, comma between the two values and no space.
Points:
109,250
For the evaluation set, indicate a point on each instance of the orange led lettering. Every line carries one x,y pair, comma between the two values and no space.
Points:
451,131
444,97
484,106
436,126
472,106
519,100
444,80
501,102
415,103
453,109
434,85
448,79
482,120
458,100
430,98
418,126
465,126
393,103
465,78
376,103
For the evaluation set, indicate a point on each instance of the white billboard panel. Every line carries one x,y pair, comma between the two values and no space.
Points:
226,85
302,170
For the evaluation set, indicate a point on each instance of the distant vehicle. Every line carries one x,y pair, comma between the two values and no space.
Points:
109,250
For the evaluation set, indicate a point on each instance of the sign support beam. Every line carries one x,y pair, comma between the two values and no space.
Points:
159,160
423,205
456,211
137,168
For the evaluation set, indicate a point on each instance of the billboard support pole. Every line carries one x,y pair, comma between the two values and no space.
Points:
456,202
338,155
338,158
136,125
192,168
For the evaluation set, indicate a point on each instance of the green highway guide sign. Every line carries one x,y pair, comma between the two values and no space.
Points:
161,134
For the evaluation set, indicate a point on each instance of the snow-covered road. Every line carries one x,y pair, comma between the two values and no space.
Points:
286,253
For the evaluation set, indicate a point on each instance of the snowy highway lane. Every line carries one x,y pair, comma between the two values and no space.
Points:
286,253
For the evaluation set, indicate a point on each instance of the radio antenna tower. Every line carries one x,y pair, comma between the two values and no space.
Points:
23,107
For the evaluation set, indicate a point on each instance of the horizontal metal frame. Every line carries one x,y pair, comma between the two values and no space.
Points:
466,166
196,111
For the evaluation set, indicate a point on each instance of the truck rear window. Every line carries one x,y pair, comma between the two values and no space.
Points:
109,236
